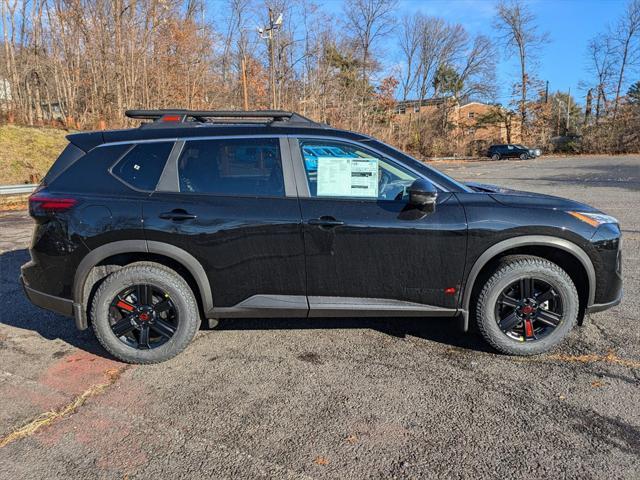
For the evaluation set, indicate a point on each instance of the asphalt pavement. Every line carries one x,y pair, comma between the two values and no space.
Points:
334,398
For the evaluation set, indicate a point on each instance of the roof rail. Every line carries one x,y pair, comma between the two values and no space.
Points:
210,116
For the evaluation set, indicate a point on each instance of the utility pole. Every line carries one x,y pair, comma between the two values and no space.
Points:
245,95
568,107
267,33
546,93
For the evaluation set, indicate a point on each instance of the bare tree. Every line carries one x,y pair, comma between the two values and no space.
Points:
601,64
369,20
519,34
478,68
442,44
409,42
626,36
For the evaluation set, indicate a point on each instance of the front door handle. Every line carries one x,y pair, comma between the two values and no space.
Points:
325,221
178,214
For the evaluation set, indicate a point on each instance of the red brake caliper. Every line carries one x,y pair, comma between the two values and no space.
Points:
528,328
125,306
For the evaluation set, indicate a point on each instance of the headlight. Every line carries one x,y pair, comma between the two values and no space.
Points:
593,219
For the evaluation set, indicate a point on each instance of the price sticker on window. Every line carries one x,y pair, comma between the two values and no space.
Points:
347,177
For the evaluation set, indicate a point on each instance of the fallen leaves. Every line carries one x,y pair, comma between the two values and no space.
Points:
610,357
319,460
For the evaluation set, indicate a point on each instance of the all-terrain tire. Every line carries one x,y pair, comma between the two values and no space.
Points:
509,270
164,278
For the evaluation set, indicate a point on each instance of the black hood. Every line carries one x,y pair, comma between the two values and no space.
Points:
516,198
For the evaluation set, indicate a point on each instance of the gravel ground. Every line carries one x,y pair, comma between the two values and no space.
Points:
336,398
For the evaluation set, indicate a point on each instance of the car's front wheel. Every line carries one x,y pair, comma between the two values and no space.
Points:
524,156
144,313
527,306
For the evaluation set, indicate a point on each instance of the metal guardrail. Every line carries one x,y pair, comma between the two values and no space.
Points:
17,189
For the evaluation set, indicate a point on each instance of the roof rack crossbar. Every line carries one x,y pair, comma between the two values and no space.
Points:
179,115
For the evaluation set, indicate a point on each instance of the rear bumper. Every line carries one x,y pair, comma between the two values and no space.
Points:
63,306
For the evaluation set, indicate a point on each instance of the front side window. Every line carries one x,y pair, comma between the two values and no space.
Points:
246,167
345,170
142,166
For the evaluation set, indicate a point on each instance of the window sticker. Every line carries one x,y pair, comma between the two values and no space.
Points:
347,177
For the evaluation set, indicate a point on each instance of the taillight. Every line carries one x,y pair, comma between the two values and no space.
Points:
50,203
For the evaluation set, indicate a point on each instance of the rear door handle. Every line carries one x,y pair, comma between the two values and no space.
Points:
325,221
177,215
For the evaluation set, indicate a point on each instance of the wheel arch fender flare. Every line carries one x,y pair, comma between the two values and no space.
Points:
94,257
524,241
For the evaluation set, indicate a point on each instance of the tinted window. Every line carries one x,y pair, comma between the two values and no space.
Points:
91,172
247,167
142,166
337,169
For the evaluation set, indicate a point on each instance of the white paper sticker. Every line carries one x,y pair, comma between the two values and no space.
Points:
347,177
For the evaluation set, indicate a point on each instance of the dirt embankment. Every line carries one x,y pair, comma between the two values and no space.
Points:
26,153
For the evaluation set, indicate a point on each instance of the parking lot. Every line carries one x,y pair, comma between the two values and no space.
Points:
334,398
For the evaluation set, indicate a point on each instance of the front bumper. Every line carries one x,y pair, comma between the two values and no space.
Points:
599,307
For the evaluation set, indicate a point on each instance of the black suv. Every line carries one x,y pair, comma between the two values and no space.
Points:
204,215
497,152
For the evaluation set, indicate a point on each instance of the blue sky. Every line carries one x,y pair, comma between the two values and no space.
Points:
570,23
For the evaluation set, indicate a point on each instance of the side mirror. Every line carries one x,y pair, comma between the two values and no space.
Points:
423,195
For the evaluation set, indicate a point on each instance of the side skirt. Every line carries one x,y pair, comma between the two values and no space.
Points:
373,307
273,306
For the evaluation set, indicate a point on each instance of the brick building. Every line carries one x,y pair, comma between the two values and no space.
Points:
463,116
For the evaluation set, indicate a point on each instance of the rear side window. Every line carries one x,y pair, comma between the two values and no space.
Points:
141,166
247,167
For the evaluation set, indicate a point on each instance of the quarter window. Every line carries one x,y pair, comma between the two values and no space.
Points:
339,170
248,167
142,166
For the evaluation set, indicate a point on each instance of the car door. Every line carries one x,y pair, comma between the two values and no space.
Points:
367,250
511,151
231,204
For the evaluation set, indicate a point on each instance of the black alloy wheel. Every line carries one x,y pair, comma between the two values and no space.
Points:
529,309
143,316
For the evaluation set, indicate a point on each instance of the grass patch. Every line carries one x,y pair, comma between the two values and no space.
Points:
26,153
52,416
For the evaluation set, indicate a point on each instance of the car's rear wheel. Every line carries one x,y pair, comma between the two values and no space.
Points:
524,156
527,306
495,156
144,313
